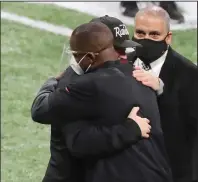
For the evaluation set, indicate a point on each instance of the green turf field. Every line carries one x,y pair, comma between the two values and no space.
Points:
28,57
184,42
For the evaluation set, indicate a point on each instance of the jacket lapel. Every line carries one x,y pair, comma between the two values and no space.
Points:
168,72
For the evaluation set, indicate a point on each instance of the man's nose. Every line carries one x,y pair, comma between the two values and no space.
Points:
146,36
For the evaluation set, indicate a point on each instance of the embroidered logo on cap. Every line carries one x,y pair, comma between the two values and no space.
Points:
121,30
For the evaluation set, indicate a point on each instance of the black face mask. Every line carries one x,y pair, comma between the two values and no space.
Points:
151,50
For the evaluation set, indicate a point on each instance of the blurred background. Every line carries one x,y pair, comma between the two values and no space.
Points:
32,38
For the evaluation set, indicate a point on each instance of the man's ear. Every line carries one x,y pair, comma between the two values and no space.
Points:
91,57
169,38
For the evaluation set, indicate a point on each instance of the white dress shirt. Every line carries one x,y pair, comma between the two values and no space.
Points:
155,68
155,65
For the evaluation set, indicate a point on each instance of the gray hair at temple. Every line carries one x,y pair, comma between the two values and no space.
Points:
156,11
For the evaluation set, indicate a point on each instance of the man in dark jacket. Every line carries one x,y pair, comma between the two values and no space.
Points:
62,166
107,93
178,103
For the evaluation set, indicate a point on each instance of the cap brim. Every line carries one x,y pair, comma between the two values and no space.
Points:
129,43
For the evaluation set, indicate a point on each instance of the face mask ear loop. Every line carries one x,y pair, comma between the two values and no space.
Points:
88,68
166,36
165,40
82,58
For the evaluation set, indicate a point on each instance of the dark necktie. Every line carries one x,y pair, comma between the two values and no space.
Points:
146,66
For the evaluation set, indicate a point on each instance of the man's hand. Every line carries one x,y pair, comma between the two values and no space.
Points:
143,123
147,78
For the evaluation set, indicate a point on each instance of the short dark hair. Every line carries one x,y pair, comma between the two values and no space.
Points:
91,36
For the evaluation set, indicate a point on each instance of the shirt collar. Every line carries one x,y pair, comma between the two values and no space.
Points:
160,59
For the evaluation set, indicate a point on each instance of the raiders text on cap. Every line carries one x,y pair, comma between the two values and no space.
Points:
121,30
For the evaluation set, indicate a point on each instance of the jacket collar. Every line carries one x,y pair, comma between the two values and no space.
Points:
106,64
168,72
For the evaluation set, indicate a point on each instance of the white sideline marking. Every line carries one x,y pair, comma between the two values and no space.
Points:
60,30
102,8
37,24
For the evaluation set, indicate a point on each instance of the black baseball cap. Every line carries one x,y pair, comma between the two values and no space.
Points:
119,30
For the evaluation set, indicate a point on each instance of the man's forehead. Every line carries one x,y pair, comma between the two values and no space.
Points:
150,23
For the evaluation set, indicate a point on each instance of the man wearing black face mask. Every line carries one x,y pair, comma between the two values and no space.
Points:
177,103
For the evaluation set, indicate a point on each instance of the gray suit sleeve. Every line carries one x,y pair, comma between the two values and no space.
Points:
161,89
40,107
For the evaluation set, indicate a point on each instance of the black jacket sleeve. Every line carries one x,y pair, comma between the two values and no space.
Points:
75,101
189,103
84,139
81,137
188,95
